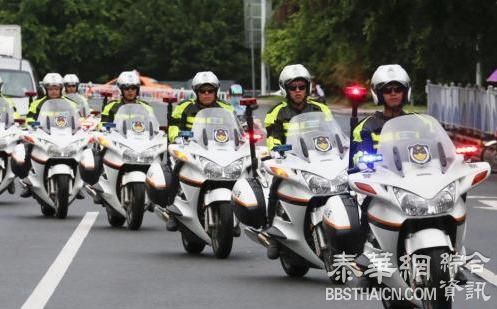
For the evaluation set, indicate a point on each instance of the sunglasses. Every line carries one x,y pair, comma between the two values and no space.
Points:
388,90
130,88
295,88
209,91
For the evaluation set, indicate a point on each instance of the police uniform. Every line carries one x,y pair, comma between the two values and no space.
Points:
278,118
35,107
184,115
11,104
112,107
366,134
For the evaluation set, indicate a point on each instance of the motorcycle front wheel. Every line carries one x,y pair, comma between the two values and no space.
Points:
191,243
222,233
61,198
291,268
136,206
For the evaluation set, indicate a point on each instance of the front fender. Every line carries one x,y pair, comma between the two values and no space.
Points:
134,176
217,195
427,238
60,169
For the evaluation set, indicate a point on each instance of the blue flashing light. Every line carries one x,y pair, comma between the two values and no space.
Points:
186,134
282,148
371,158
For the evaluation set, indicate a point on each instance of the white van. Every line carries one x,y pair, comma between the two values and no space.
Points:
17,73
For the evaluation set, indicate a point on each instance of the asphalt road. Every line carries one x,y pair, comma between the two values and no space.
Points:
117,268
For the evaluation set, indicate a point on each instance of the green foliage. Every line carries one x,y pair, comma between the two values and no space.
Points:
345,40
99,38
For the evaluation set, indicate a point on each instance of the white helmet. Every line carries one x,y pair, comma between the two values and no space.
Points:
128,78
291,73
71,79
386,74
52,79
203,78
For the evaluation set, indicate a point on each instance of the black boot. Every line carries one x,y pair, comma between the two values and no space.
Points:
273,250
26,192
172,224
11,188
80,196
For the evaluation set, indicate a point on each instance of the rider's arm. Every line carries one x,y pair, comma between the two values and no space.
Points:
274,128
178,121
34,110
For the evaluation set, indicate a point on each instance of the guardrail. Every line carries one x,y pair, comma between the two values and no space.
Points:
470,108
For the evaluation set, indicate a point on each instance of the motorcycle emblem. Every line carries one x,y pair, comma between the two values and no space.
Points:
221,135
322,143
138,127
61,121
419,154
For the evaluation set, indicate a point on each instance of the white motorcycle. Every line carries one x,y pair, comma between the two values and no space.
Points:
9,138
89,119
316,217
416,205
132,144
57,145
214,155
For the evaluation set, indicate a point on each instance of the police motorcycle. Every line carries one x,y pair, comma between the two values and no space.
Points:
132,144
57,143
9,138
214,155
89,121
416,185
316,217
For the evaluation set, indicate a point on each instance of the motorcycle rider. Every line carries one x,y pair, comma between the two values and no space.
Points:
53,84
390,87
8,100
205,85
295,82
129,84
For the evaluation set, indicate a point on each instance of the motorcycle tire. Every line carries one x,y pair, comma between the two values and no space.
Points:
115,219
191,243
136,207
222,233
61,200
437,274
292,269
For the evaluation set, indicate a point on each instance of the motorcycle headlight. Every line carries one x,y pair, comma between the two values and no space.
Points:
211,169
321,185
234,170
215,171
415,205
132,156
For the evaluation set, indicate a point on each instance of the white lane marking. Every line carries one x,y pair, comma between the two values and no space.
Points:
49,282
489,204
486,274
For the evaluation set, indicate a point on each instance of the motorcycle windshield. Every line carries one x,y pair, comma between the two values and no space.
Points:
135,121
6,114
84,108
58,116
216,127
414,142
315,136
